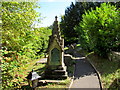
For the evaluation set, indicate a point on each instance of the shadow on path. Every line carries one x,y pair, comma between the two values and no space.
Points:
85,75
83,68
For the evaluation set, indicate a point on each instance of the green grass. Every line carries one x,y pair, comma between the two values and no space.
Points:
39,68
65,48
78,45
64,84
109,71
71,68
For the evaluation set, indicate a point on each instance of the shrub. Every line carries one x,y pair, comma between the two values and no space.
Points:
99,29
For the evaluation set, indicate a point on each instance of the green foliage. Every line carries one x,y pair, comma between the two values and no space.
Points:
109,71
41,39
99,29
21,43
10,62
72,17
17,17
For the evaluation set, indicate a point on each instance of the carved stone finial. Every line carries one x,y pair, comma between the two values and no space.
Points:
56,18
55,63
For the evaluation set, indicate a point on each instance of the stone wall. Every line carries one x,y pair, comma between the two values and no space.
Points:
114,56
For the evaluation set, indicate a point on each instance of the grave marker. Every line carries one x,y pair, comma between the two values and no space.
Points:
55,68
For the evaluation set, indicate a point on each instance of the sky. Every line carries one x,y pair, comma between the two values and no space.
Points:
51,8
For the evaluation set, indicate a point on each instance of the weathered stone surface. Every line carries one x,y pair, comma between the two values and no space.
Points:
55,68
114,56
55,57
56,73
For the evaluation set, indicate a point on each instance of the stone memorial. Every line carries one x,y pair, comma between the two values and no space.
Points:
55,68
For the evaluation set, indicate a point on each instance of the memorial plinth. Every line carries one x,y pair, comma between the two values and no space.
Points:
55,68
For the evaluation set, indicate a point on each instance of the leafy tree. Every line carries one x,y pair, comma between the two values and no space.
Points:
99,29
21,43
117,4
41,42
72,17
17,18
67,24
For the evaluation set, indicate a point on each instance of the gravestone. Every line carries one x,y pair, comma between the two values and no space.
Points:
55,67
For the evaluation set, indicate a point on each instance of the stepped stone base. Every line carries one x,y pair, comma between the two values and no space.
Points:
55,72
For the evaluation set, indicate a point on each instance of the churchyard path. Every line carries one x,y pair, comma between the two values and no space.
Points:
85,75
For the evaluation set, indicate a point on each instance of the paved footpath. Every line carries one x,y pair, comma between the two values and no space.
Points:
43,60
84,75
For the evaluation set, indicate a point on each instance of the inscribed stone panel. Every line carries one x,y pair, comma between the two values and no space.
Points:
55,57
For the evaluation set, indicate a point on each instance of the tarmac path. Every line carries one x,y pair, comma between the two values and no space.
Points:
85,75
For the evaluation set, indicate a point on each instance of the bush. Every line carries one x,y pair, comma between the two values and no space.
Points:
99,29
21,43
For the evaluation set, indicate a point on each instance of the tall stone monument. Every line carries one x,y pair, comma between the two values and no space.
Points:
55,68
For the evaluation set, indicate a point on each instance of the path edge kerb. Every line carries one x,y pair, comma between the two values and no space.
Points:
72,79
98,74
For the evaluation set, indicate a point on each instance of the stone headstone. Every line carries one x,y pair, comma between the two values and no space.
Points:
55,67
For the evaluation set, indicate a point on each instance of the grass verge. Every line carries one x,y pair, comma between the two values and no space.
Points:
39,68
109,70
64,84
